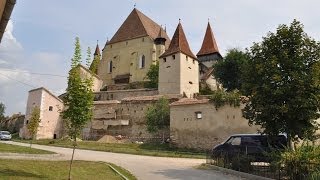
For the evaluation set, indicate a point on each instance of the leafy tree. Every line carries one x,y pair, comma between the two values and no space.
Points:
153,76
2,110
94,64
158,116
283,95
78,100
228,71
34,123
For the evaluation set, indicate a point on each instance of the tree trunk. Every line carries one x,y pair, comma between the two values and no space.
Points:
31,141
289,141
74,148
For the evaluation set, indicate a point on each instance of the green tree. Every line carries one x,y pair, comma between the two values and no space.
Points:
34,123
2,111
158,116
153,76
94,64
228,71
283,96
78,100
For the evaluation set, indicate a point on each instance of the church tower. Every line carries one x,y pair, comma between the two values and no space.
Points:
160,42
208,55
209,52
178,67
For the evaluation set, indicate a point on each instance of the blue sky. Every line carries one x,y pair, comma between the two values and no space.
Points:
40,35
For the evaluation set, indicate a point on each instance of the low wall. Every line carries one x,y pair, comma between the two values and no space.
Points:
214,126
121,94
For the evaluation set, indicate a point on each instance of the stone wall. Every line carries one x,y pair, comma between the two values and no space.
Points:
121,94
213,126
126,118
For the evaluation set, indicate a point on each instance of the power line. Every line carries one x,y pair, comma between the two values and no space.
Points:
17,80
43,74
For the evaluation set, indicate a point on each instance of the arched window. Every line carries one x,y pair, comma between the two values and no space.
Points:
142,62
110,67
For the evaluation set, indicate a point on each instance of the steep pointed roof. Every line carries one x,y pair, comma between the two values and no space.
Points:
209,45
97,51
179,43
137,25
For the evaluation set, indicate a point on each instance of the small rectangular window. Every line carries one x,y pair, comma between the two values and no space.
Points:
198,115
164,60
50,108
127,43
187,58
142,39
173,56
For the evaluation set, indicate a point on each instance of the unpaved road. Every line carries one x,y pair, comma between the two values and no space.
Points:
143,167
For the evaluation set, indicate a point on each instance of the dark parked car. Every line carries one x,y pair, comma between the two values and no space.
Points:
255,146
5,135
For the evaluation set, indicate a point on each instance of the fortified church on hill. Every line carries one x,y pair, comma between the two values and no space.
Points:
120,110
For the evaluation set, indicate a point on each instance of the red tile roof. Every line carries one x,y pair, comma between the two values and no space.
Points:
209,45
135,26
179,43
188,101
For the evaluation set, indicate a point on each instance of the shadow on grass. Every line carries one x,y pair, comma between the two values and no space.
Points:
18,173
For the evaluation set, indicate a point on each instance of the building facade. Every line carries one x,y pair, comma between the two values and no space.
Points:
50,125
132,50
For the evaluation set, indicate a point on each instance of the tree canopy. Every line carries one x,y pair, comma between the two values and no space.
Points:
79,98
2,110
153,76
228,71
158,116
34,122
281,84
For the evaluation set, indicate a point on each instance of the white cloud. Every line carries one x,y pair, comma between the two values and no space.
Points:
18,72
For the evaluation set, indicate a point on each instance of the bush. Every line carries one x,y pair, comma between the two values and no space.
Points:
220,98
302,162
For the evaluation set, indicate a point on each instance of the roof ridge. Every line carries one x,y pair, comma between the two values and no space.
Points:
138,14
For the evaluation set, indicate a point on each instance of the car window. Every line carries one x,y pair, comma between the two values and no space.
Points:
250,141
234,141
5,133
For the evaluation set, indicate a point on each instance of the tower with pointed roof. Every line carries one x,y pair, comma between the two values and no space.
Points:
136,45
178,67
208,55
96,59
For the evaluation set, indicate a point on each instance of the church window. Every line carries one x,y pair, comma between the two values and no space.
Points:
173,56
50,108
164,60
187,58
110,67
142,62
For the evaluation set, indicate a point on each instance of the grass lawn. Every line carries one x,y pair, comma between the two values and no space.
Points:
163,150
30,169
8,148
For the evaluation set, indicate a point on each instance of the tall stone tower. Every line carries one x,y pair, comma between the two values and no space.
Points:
160,42
178,67
208,55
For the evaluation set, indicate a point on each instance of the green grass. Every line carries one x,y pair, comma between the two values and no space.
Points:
149,149
30,169
8,148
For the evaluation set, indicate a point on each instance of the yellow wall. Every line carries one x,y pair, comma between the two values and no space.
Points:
125,58
176,74
213,128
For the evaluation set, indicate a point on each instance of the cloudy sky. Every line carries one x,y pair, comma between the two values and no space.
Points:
39,38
